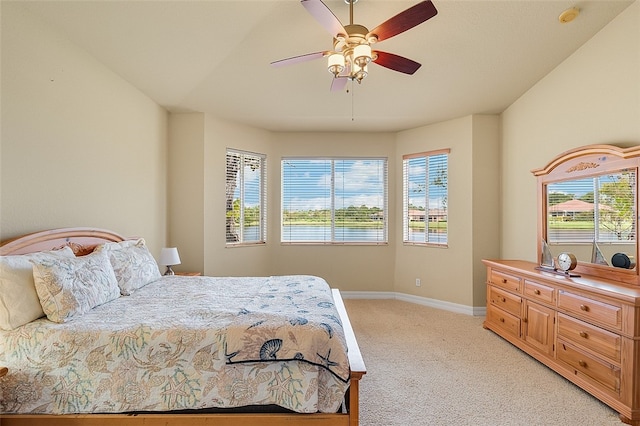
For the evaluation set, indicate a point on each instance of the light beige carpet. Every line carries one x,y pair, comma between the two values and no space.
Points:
431,367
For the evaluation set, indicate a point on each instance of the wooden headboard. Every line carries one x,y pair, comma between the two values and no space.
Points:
81,240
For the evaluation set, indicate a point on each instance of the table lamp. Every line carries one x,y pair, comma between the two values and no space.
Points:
169,257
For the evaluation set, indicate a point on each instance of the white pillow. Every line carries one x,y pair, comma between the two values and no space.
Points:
71,287
133,264
19,303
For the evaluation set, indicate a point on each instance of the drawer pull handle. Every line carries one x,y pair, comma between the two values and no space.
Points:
584,308
584,334
501,319
503,300
536,292
504,281
524,320
582,364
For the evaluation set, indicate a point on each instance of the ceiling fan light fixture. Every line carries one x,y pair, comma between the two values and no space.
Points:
359,73
335,64
362,55
352,53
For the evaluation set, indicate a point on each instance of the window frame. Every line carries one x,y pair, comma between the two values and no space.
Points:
262,197
406,220
333,208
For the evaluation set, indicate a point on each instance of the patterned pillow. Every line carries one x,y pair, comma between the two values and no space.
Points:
133,264
71,287
19,303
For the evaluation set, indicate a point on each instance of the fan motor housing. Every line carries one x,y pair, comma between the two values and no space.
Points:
357,30
356,34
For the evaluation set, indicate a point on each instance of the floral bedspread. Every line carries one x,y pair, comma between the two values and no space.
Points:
184,343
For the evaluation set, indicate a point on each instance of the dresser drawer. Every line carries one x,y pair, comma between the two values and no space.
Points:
539,292
591,310
505,301
504,280
595,339
509,323
605,374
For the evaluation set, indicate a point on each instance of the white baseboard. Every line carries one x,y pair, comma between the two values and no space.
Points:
425,301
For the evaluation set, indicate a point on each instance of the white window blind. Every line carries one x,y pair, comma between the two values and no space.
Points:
574,215
245,198
334,200
425,198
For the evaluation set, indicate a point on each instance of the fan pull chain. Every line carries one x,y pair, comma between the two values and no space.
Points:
352,119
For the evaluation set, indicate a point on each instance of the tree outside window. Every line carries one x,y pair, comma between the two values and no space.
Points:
426,198
245,202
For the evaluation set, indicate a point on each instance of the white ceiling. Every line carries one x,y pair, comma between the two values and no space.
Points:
213,56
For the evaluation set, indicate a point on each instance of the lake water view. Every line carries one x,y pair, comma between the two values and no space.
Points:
303,233
323,233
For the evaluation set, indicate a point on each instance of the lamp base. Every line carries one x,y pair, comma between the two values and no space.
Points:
169,271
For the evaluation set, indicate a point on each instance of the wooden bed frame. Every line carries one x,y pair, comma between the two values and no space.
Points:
83,241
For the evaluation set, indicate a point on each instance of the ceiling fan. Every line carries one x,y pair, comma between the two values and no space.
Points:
352,51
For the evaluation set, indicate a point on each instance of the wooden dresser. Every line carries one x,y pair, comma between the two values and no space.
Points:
587,329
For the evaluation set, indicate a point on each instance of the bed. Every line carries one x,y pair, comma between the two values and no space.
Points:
169,350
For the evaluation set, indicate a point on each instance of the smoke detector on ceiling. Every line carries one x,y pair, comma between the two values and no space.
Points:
569,15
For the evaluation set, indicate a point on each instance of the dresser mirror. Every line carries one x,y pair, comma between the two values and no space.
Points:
588,206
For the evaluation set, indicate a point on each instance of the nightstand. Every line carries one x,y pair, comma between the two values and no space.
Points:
189,274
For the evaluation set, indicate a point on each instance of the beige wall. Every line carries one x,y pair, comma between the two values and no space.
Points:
591,98
198,209
355,268
197,168
486,199
80,146
455,274
219,260
186,189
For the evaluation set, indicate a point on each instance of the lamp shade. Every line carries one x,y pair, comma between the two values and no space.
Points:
169,256
362,55
335,63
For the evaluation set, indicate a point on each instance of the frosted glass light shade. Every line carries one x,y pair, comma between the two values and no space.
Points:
335,63
362,55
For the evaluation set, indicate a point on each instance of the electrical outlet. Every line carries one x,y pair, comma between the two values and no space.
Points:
418,283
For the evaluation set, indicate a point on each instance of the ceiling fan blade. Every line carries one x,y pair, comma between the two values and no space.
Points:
404,21
396,62
298,59
324,16
339,83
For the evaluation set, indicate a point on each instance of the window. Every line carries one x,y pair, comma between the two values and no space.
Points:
425,198
334,200
574,215
245,198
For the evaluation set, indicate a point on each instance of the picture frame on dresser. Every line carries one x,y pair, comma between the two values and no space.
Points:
584,326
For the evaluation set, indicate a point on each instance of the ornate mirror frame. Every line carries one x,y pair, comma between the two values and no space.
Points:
584,162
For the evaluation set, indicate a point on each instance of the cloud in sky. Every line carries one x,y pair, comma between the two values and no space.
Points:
357,183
